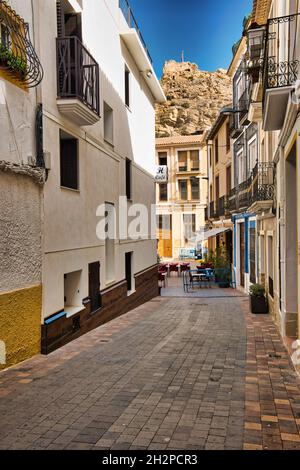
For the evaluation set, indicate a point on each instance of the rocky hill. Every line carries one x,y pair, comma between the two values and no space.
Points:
194,98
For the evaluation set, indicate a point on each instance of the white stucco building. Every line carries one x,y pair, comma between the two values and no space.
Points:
98,100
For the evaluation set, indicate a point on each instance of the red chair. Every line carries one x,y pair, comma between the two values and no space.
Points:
174,268
184,267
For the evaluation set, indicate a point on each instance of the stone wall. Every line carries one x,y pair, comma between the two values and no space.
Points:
194,98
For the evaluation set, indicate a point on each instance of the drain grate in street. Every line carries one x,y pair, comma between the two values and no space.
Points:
274,356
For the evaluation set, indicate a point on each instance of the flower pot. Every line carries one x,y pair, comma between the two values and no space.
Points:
258,304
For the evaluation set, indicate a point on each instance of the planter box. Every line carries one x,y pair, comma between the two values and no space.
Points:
258,304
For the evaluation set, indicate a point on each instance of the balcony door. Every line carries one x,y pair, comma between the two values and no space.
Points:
217,188
68,21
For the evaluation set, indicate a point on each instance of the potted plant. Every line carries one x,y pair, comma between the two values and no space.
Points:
9,61
219,261
258,299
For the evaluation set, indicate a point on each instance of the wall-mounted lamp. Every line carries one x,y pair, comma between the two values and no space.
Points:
226,111
149,73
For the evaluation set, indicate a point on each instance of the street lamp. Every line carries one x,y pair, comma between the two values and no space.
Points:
227,111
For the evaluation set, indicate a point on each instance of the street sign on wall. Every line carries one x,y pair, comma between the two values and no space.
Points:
161,175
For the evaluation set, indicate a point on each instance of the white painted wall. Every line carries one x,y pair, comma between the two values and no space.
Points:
20,195
70,241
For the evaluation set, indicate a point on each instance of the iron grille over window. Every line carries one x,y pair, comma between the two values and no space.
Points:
17,53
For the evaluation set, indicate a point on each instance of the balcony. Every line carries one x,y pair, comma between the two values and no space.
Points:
223,206
232,206
281,68
213,210
132,23
18,59
257,193
78,82
241,100
262,188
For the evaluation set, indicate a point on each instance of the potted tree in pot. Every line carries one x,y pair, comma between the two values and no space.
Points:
258,299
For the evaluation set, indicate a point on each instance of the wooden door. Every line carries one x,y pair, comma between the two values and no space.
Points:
128,270
94,285
242,254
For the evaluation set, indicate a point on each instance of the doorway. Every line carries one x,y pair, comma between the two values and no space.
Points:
94,286
291,245
242,254
128,271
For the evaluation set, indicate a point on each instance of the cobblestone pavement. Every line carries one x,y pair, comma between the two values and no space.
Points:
176,373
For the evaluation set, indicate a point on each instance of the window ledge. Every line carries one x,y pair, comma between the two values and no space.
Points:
111,144
71,310
131,292
70,189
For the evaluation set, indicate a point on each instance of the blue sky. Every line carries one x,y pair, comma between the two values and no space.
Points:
204,29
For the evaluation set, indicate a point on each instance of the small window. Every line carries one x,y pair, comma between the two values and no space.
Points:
128,179
228,179
227,137
164,222
189,226
183,189
195,188
163,158
163,192
69,174
108,117
182,160
217,188
217,150
127,87
194,157
72,289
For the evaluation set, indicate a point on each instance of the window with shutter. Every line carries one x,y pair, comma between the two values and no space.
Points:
69,174
127,87
128,178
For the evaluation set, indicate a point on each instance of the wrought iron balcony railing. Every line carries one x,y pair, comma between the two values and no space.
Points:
213,210
263,182
281,65
132,23
223,205
232,206
77,73
260,186
17,53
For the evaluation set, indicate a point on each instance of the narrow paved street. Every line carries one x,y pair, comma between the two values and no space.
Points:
176,373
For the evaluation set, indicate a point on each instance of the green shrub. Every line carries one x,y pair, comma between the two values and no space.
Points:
15,64
257,290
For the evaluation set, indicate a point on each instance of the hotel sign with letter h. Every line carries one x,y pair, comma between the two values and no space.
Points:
161,175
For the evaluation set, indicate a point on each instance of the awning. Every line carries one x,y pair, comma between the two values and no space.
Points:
205,235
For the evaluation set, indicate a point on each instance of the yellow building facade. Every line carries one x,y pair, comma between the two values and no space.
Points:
181,199
220,183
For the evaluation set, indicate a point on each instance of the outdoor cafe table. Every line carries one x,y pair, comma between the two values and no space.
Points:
199,276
